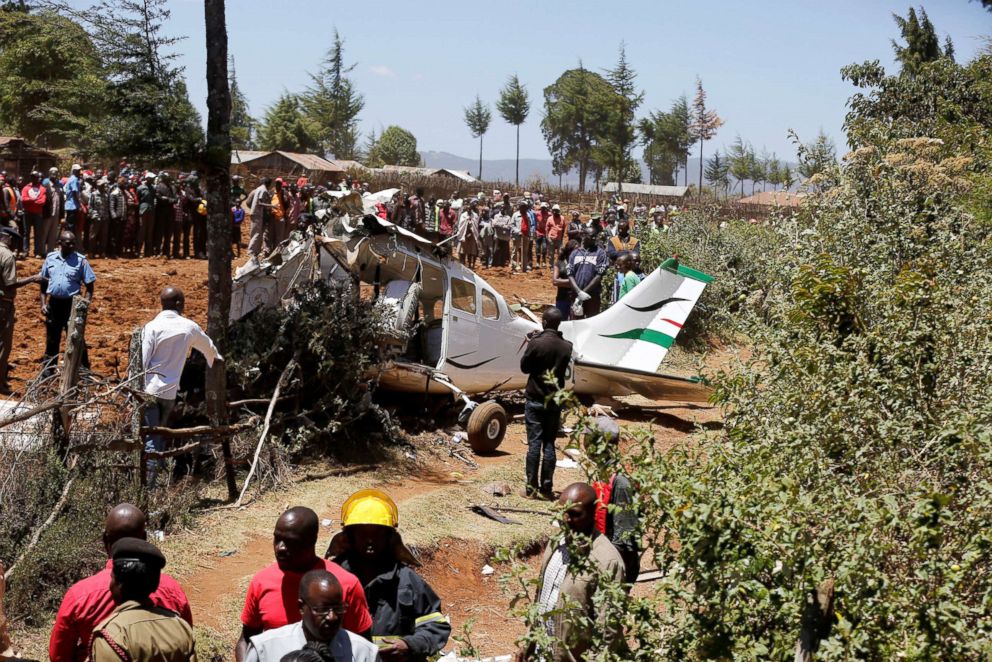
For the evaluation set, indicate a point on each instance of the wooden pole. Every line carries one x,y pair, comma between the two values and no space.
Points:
74,347
217,165
135,367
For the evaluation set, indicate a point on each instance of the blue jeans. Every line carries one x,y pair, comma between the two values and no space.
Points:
156,414
542,427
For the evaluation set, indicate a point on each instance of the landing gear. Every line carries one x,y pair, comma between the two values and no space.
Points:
486,427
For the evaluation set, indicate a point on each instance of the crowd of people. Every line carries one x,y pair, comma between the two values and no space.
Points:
126,213
362,600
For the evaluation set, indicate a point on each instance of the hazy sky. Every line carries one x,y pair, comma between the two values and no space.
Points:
767,66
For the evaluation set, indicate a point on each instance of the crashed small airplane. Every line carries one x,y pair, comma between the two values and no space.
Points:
453,333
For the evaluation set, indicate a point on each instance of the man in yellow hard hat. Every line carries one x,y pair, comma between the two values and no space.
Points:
407,622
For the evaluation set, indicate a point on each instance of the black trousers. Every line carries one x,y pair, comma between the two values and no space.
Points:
542,423
57,322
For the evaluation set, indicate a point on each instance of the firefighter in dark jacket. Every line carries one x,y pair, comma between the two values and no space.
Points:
407,623
546,351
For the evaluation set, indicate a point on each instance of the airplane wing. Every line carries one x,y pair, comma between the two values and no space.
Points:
609,380
636,333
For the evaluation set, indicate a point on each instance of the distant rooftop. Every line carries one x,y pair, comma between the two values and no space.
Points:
648,189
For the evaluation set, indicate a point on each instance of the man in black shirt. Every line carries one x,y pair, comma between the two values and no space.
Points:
546,351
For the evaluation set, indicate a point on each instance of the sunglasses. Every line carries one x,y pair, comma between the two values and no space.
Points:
339,610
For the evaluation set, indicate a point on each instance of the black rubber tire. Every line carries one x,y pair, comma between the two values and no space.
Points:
486,427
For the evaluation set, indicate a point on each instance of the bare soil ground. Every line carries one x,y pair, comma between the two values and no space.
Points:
126,297
216,557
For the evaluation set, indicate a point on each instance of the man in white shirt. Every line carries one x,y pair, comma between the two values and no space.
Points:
165,344
321,604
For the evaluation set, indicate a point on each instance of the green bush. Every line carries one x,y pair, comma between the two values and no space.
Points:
331,334
858,437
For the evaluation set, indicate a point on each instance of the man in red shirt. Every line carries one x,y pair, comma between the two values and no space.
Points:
271,599
89,601
33,198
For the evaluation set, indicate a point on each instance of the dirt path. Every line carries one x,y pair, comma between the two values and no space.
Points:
216,560
126,296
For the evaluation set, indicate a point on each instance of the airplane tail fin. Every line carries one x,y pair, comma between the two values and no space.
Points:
637,332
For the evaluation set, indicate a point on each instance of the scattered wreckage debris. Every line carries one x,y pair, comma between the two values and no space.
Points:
486,511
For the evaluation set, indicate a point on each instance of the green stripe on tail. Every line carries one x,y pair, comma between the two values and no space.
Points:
647,335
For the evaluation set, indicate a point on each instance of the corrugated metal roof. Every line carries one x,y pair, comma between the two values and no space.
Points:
312,162
773,199
648,189
460,174
245,155
430,172
349,165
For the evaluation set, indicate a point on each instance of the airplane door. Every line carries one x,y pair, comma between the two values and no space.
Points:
461,332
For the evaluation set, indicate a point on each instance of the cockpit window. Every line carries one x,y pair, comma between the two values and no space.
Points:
490,307
463,295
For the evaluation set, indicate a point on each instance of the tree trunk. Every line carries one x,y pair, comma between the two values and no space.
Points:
216,165
518,157
583,170
700,168
480,157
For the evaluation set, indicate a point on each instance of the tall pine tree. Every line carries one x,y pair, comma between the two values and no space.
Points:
149,116
704,125
285,128
513,106
621,132
243,125
477,118
331,104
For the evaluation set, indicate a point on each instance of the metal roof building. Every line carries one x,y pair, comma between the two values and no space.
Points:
286,164
655,190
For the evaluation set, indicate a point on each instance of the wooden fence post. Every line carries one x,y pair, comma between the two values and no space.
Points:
817,620
74,346
135,366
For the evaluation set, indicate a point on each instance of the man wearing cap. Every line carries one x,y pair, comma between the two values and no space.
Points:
89,601
64,274
266,607
54,209
73,202
9,238
503,232
138,630
407,622
521,227
320,603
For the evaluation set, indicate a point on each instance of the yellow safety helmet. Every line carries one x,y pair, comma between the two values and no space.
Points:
370,507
